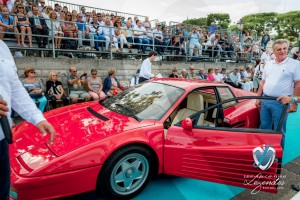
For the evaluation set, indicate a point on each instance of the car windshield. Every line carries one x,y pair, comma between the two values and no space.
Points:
147,101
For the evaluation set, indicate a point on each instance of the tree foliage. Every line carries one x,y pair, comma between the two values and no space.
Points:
222,19
285,25
260,22
288,25
199,21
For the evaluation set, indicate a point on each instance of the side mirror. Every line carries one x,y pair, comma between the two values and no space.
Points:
187,124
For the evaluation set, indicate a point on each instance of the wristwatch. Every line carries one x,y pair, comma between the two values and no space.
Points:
294,99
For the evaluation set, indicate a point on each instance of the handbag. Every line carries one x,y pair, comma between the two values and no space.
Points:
36,96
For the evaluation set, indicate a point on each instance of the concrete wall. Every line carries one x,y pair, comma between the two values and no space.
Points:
125,68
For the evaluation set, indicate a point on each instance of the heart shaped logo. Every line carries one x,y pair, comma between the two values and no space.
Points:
264,157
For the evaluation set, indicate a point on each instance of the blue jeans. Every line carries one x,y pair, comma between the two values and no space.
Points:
265,45
97,39
42,103
270,114
140,41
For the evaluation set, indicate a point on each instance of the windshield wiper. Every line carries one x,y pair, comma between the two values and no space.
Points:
129,110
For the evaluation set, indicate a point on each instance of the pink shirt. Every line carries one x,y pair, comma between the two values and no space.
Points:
210,77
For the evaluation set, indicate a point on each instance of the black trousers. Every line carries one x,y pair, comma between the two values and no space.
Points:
142,79
39,40
4,171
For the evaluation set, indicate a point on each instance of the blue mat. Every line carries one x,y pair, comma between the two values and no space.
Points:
176,188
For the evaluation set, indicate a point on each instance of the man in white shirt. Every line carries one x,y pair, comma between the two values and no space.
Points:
139,33
158,39
145,72
235,77
281,77
218,77
15,96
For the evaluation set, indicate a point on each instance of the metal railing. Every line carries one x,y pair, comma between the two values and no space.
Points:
77,7
173,43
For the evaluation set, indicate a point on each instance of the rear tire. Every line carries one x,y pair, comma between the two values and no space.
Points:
126,173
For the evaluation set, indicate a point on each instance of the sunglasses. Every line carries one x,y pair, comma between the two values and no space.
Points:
32,72
88,15
69,15
42,2
79,16
94,74
20,8
50,8
54,75
74,71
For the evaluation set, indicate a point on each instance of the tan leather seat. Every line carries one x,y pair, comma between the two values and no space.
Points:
208,123
194,104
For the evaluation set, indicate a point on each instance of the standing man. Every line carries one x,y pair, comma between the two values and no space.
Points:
15,96
280,77
265,39
145,72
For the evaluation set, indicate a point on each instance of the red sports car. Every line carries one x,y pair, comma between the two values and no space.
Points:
196,129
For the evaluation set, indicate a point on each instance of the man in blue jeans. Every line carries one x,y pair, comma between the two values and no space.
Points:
280,78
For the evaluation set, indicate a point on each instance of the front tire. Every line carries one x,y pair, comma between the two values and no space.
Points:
126,173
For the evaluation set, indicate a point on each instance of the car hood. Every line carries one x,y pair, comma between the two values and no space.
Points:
76,126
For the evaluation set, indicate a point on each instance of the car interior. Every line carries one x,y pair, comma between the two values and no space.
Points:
193,103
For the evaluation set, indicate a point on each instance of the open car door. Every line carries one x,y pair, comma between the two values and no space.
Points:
244,157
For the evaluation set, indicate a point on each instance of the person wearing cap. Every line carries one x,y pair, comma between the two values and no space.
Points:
218,76
145,72
201,75
135,79
158,39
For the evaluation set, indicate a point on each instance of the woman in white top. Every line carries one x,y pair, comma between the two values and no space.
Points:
56,29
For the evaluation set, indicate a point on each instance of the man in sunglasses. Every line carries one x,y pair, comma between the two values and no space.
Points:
13,95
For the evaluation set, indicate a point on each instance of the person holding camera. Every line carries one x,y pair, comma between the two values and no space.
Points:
14,96
194,37
76,85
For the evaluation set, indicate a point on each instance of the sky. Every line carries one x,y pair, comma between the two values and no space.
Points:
179,10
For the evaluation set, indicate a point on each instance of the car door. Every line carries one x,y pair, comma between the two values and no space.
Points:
244,157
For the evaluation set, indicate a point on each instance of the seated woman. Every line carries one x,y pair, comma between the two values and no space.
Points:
111,84
174,73
21,21
69,28
95,86
56,29
34,87
120,34
209,75
55,90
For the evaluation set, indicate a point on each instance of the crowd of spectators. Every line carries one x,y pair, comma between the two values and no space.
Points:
102,30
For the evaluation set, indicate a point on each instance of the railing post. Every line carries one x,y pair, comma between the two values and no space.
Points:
110,42
53,42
